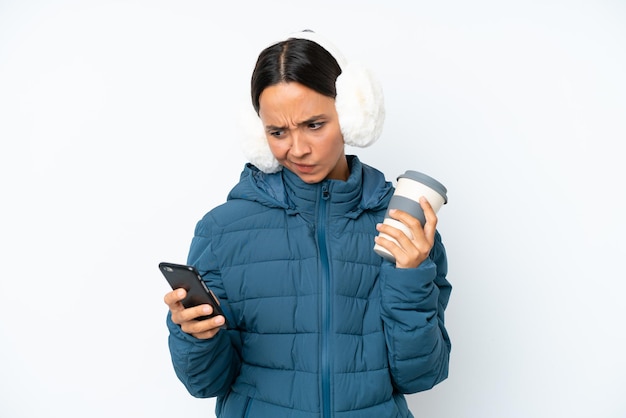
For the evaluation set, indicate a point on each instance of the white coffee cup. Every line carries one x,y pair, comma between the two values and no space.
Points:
411,186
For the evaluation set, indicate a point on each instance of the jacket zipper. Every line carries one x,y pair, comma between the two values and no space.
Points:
325,304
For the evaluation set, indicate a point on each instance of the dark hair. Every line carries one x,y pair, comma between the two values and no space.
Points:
297,60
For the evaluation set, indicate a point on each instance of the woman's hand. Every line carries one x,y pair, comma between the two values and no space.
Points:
410,251
186,317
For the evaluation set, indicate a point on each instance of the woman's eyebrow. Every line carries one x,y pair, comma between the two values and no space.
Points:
312,119
308,121
274,128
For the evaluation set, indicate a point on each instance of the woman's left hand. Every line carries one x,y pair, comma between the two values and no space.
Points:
410,251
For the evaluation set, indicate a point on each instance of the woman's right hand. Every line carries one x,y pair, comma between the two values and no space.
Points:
204,329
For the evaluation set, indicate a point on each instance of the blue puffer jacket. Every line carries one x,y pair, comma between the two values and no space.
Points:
320,325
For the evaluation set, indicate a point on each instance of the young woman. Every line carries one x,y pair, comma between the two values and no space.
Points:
319,324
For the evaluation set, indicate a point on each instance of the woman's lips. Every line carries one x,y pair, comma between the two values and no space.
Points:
304,168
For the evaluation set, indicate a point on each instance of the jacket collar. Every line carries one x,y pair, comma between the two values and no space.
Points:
365,189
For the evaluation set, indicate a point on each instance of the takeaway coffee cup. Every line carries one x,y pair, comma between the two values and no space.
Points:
411,186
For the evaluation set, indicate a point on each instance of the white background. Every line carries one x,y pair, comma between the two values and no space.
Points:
118,132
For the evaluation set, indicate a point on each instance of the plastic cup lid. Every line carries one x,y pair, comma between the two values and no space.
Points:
428,181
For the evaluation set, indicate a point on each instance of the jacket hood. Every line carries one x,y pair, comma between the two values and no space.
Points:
275,189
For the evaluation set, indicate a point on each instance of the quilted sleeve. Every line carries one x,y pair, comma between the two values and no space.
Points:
207,368
413,302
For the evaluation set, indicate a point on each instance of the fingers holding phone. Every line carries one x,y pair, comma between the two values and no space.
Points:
197,320
193,305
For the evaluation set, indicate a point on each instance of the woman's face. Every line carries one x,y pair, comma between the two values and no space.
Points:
303,132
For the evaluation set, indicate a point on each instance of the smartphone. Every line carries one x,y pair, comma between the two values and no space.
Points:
188,278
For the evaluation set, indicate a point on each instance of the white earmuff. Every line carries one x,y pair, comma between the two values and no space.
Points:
359,103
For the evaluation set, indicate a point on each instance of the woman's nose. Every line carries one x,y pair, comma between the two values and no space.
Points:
299,144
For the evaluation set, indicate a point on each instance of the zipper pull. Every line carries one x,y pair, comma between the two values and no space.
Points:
325,192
